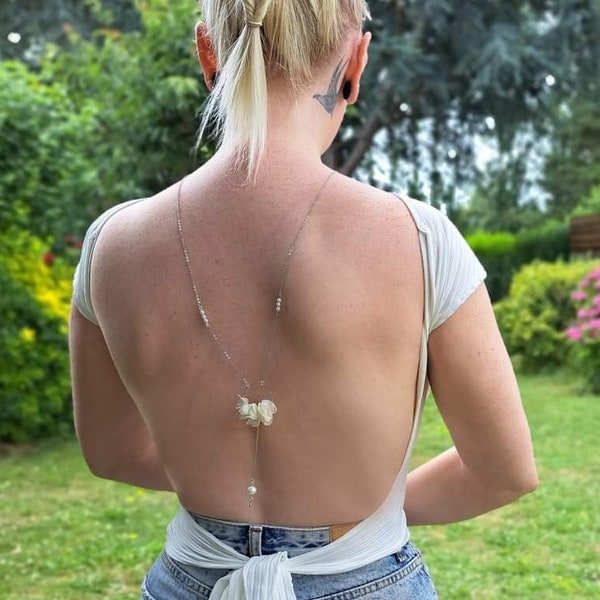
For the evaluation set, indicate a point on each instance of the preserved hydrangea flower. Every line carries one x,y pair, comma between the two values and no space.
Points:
256,413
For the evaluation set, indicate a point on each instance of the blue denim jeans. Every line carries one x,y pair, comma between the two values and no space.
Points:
401,576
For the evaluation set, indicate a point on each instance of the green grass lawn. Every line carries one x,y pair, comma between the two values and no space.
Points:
65,535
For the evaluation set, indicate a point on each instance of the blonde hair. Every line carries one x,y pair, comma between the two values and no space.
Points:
293,38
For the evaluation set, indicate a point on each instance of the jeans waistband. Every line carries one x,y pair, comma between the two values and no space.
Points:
257,540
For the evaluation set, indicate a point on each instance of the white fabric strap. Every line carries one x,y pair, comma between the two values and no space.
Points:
270,576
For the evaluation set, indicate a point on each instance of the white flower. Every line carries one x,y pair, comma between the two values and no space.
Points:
266,410
243,407
254,414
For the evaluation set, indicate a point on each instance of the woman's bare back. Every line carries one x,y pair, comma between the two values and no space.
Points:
345,355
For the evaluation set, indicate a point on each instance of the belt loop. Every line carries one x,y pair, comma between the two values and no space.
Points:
255,540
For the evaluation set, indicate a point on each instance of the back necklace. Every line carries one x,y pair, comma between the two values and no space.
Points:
261,412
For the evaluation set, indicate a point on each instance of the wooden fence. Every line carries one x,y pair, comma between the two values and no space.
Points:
584,234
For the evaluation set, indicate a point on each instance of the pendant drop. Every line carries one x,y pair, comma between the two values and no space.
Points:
252,491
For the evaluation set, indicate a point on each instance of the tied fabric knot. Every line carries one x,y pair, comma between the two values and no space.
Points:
261,577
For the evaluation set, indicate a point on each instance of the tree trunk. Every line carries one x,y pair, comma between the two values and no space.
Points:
371,126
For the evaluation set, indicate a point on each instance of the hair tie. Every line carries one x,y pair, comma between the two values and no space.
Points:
253,24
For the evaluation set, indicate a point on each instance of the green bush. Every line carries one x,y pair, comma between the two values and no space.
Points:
101,122
497,253
47,180
503,253
537,311
34,363
146,89
548,242
590,204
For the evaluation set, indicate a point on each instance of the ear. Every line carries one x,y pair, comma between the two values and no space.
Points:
357,64
206,56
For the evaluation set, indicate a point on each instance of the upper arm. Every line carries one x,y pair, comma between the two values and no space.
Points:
95,380
108,424
107,421
475,388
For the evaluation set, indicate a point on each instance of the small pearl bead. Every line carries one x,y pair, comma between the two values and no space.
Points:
252,490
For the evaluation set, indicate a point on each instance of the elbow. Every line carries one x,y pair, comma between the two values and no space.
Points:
101,467
104,462
504,485
526,485
522,483
527,480
531,483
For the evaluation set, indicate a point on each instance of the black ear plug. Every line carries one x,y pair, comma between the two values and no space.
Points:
346,90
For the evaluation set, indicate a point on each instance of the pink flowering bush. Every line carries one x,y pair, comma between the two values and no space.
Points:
536,312
585,332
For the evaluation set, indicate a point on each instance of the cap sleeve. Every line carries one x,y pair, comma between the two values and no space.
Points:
455,270
452,271
82,297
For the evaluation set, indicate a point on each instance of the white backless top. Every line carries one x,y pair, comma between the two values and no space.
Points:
451,274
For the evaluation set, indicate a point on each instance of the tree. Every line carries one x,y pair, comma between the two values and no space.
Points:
35,24
445,71
45,142
102,121
573,166
147,86
442,73
496,203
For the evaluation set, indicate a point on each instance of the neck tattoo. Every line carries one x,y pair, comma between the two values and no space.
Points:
262,410
328,100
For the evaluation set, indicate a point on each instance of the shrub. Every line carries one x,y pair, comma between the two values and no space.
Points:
46,176
548,242
585,332
503,253
590,204
103,121
537,310
497,253
145,88
34,363
29,261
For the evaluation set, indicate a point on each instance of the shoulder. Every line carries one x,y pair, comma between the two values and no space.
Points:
108,221
375,209
112,249
82,280
428,219
443,240
133,227
131,241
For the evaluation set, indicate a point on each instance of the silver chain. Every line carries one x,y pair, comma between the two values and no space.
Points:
278,300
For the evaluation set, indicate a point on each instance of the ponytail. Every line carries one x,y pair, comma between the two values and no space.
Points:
295,35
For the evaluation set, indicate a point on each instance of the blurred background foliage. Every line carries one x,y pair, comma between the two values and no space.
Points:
487,109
